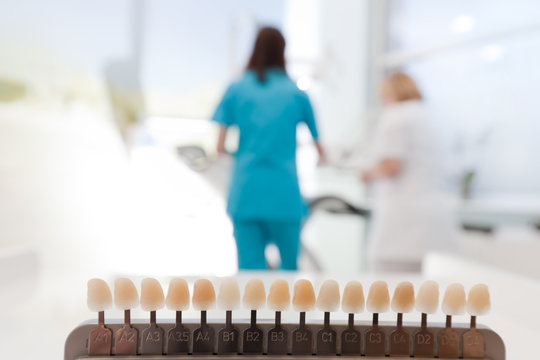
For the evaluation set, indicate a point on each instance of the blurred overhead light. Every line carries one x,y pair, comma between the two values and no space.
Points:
463,24
304,83
492,52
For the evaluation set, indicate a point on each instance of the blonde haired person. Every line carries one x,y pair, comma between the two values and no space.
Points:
411,215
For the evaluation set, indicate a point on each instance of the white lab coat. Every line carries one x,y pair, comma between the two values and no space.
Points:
411,215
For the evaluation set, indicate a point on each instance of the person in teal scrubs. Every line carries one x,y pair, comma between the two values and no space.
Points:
264,199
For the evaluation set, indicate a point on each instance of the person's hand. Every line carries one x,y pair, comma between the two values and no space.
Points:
322,154
220,148
322,160
220,145
367,176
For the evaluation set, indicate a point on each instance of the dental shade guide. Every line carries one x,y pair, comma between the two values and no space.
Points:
228,300
99,299
378,301
327,301
254,299
279,299
152,299
126,298
303,300
204,299
478,303
453,304
427,302
352,303
254,338
178,337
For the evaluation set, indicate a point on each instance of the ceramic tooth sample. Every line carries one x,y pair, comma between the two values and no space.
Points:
204,298
303,300
378,301
453,304
99,299
152,299
427,299
327,301
352,303
279,299
454,300
254,299
126,298
427,302
178,338
478,303
228,300
402,302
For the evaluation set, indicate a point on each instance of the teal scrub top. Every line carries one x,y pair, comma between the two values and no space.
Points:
264,183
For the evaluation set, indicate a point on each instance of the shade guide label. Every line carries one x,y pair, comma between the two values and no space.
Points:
277,341
400,343
126,340
100,341
473,344
424,343
326,342
228,341
203,340
152,340
375,342
253,341
448,343
178,340
351,343
302,341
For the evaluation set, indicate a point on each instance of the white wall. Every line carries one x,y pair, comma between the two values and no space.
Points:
341,92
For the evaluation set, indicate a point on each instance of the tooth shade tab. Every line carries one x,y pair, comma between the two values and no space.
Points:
152,297
279,297
478,301
254,295
427,299
454,300
403,299
229,294
99,297
353,298
378,300
303,296
204,296
178,295
328,298
126,296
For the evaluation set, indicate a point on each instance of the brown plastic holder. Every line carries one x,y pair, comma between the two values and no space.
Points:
77,343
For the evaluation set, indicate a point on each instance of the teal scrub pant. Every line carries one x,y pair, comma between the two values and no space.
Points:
252,237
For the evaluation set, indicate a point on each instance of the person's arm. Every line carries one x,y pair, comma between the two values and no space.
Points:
220,147
391,149
387,168
320,152
224,116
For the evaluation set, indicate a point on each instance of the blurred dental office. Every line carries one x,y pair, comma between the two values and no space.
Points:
109,164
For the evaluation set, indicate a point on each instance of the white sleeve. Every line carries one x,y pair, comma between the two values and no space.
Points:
392,142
